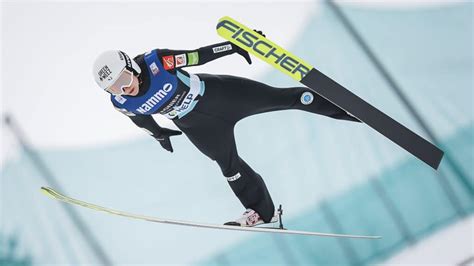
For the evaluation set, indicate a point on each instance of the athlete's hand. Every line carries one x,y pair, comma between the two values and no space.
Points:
259,32
164,138
243,53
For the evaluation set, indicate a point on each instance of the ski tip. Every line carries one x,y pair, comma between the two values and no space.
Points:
47,191
225,18
221,21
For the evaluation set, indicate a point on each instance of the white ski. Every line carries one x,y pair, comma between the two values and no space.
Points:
56,195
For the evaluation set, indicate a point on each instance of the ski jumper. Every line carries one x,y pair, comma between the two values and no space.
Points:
206,108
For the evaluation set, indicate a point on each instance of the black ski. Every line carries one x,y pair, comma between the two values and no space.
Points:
376,119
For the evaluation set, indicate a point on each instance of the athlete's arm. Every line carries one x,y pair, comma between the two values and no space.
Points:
173,59
147,123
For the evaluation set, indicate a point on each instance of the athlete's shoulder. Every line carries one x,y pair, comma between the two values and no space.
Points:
141,57
161,51
167,53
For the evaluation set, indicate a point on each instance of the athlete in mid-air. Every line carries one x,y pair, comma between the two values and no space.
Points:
205,107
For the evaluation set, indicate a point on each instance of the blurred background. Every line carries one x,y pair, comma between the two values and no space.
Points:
411,59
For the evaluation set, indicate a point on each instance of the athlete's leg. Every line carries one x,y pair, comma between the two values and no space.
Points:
266,98
215,138
236,98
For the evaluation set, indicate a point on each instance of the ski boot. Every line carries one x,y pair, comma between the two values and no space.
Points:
251,218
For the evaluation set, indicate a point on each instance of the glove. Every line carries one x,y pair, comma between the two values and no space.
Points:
259,32
164,138
244,53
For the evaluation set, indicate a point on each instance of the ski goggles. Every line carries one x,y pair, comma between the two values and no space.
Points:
124,80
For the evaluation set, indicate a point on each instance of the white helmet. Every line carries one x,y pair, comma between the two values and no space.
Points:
109,65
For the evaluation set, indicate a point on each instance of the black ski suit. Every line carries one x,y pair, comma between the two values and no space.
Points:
228,99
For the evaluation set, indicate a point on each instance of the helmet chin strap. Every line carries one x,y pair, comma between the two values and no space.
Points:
140,81
135,73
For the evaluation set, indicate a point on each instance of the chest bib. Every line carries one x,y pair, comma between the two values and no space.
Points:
163,86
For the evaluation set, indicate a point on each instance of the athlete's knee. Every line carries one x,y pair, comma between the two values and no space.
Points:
306,97
300,95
